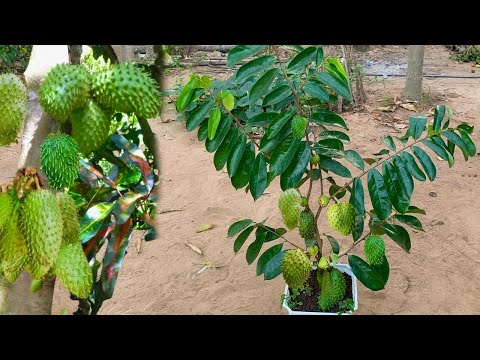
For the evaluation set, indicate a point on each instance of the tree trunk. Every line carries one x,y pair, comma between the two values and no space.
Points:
17,298
413,84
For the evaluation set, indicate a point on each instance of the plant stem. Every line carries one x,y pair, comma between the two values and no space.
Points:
290,84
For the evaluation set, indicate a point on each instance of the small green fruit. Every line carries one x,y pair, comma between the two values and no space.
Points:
307,226
299,126
323,263
312,250
304,201
333,289
295,268
71,224
13,107
374,249
341,217
290,207
36,285
315,159
323,200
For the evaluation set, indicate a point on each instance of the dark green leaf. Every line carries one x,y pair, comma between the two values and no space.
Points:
253,67
262,119
354,158
279,121
254,248
415,210
327,117
472,149
409,220
258,177
334,244
315,174
319,58
370,161
398,197
378,194
457,140
266,257
196,116
382,152
236,154
465,127
213,122
274,267
238,226
383,270
241,52
294,172
438,117
223,128
92,221
277,95
272,234
203,131
303,59
335,84
333,144
388,140
221,156
334,189
404,177
412,166
267,145
417,125
240,240
437,149
261,86
366,274
398,234
282,155
357,200
426,162
335,167
332,134
314,88
244,170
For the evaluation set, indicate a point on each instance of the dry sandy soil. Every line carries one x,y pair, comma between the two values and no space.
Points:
437,277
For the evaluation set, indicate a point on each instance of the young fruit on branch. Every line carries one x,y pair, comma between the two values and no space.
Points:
13,107
333,289
290,207
315,159
295,268
307,226
299,126
341,217
374,249
71,224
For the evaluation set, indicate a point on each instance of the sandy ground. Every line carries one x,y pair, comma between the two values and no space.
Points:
437,277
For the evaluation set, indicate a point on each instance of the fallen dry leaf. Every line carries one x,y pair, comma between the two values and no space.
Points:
409,107
194,248
204,227
384,108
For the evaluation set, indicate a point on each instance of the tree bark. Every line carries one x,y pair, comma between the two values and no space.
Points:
413,83
17,298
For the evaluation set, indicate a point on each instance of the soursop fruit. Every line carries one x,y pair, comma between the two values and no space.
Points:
126,88
90,126
315,159
341,217
374,249
333,289
60,160
13,107
6,208
307,226
42,227
65,88
73,270
295,268
71,224
290,205
299,126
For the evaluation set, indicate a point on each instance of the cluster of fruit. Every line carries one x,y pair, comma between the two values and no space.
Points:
296,265
39,232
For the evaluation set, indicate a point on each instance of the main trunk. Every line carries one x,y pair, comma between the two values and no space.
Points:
413,84
17,298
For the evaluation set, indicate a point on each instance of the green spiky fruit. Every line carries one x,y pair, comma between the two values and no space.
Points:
295,268
36,285
73,270
65,88
333,289
13,250
290,207
307,226
341,217
60,160
323,200
6,207
323,263
13,107
374,249
127,88
90,126
43,230
315,159
71,224
299,126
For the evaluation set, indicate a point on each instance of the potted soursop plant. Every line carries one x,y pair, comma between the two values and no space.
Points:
272,119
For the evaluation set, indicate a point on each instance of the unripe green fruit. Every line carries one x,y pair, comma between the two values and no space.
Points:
374,249
65,88
90,126
323,263
341,217
295,268
323,200
60,160
13,107
71,223
307,226
36,285
315,159
304,201
299,126
126,88
6,207
73,270
290,207
333,289
42,228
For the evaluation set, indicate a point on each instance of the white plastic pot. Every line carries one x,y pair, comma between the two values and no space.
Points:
344,268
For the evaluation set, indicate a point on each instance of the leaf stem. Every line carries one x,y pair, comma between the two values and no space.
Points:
281,236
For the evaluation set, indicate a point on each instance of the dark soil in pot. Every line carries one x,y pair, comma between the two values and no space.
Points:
309,303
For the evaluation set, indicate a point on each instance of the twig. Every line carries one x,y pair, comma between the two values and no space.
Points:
281,236
348,74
